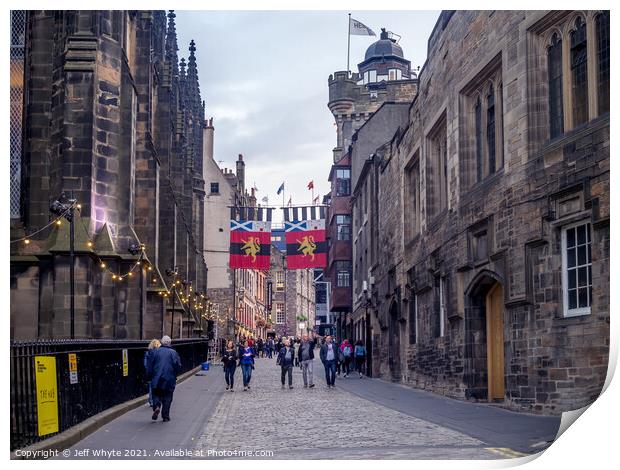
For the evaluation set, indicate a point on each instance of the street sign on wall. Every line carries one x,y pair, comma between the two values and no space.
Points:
73,372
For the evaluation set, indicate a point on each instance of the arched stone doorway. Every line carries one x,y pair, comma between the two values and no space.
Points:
485,372
394,342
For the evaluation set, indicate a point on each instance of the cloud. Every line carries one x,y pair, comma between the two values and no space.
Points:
264,75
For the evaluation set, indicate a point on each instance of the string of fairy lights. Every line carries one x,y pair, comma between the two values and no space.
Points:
198,301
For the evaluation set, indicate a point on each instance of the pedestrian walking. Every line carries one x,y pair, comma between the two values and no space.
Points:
154,344
246,360
260,346
286,358
360,356
329,357
339,361
229,359
306,356
270,347
347,357
164,365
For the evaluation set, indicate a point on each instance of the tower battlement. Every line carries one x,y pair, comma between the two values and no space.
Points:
384,75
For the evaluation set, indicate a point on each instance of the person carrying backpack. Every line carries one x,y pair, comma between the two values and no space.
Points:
360,356
347,354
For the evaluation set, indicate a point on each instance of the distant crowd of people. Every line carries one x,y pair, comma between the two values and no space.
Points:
293,352
162,363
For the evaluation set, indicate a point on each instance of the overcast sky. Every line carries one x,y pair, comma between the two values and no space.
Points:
263,75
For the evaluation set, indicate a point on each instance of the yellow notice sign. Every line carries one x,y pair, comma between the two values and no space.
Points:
73,374
125,363
47,394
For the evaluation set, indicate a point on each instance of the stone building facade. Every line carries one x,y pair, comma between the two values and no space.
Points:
293,297
237,296
114,120
490,251
384,76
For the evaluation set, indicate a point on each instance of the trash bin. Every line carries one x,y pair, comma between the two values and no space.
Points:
205,365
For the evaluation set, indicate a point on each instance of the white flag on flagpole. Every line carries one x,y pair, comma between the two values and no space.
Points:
360,29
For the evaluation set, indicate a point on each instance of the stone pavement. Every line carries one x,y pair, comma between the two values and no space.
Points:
359,419
490,423
326,424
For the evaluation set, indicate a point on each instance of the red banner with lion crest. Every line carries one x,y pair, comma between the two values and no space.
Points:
306,245
250,243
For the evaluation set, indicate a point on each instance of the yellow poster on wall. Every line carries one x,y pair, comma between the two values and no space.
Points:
125,363
47,394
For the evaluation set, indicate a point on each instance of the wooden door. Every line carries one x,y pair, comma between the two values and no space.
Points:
495,342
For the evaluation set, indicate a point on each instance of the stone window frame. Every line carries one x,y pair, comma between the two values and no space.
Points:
578,69
440,309
474,136
579,311
280,281
414,316
562,24
555,39
437,184
412,207
442,306
216,185
280,313
598,62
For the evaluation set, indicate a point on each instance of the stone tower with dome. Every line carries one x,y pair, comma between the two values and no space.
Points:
383,76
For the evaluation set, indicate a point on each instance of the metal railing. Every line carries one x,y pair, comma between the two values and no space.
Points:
100,380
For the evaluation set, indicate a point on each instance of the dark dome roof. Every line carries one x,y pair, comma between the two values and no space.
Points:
384,46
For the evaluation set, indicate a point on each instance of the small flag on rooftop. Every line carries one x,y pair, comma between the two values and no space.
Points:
281,188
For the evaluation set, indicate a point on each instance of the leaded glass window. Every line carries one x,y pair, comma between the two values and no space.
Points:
491,130
579,71
556,106
602,45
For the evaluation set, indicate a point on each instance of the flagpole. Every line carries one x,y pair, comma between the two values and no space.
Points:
348,44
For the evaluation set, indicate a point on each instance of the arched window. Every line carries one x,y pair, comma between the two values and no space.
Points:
602,56
579,71
491,130
478,117
554,67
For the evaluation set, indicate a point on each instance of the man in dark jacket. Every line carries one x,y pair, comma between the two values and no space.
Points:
305,353
286,359
162,369
329,357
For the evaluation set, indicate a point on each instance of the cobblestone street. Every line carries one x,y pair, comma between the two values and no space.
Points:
324,423
360,419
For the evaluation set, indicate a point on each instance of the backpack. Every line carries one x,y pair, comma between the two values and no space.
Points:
347,351
360,351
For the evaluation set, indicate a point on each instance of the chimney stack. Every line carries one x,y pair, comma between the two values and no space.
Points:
241,175
207,145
